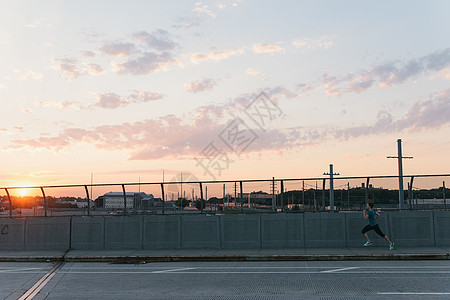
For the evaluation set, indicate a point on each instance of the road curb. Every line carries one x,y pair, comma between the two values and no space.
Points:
137,259
31,258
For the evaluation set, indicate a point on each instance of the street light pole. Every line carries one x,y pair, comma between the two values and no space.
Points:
331,186
401,196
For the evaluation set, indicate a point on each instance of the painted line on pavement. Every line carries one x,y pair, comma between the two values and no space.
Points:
35,289
254,272
338,270
173,270
19,270
411,293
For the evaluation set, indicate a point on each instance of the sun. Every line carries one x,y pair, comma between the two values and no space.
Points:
23,192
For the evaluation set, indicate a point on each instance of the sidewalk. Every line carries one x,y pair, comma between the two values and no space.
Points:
303,254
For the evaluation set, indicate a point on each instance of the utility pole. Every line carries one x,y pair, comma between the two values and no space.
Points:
331,186
348,195
315,200
235,193
273,186
223,198
181,189
92,196
241,196
401,196
323,194
303,194
443,195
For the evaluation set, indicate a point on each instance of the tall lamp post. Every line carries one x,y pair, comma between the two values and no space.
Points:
331,186
401,196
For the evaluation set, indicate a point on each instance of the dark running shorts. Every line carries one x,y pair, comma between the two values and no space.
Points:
376,228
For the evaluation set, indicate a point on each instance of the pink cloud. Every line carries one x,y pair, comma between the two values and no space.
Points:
185,137
94,69
200,86
106,100
309,43
88,53
170,136
203,9
387,75
118,49
159,40
430,114
147,63
215,55
68,67
112,100
267,48
74,68
61,105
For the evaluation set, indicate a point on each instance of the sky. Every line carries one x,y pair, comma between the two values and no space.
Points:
126,91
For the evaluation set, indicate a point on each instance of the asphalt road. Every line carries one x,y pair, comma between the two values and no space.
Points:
228,280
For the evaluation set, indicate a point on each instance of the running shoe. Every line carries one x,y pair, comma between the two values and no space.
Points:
391,246
367,244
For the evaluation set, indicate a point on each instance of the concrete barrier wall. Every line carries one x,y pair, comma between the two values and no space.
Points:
241,231
412,228
47,233
324,229
162,232
88,233
442,228
282,231
123,232
200,232
12,234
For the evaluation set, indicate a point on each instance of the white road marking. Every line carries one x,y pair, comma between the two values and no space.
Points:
338,270
35,289
252,269
267,267
255,272
399,272
411,293
172,270
19,270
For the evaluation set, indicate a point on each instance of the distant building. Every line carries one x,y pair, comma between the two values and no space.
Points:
79,203
256,196
134,200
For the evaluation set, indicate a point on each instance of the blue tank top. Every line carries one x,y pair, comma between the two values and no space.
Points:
371,214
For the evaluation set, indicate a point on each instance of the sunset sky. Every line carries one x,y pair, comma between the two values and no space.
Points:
126,89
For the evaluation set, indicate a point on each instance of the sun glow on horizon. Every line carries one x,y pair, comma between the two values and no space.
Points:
23,192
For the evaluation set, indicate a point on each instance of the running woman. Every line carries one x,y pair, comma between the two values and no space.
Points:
371,215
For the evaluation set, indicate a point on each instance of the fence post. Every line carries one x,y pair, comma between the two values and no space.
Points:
303,195
201,198
366,192
88,201
443,195
323,194
124,200
410,191
45,202
282,194
348,195
10,203
163,199
273,194
241,196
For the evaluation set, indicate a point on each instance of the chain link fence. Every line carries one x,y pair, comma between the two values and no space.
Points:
185,194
